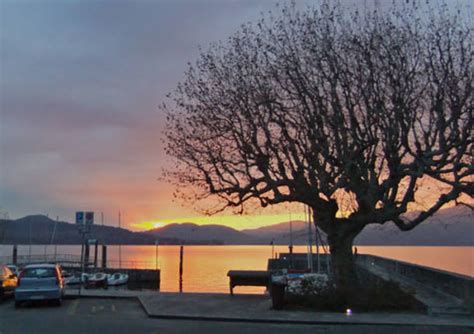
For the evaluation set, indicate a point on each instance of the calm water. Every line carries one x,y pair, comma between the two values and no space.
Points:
206,267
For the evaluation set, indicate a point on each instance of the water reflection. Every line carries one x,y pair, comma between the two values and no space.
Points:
206,267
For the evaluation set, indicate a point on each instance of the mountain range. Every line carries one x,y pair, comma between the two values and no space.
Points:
449,227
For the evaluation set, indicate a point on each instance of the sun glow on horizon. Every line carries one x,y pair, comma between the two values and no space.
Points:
242,222
148,225
238,222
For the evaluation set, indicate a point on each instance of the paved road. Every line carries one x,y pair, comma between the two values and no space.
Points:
126,316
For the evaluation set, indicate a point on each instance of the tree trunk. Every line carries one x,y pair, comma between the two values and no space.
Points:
342,264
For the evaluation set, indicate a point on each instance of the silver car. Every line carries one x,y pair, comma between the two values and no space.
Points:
40,282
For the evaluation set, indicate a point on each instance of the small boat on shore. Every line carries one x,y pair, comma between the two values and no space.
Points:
117,279
97,280
75,278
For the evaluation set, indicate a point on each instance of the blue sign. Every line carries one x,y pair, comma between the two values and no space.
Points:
89,218
80,217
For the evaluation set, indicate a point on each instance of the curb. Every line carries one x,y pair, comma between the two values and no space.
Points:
289,322
300,322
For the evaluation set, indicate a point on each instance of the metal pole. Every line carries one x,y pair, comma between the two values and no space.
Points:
120,246
156,254
290,247
29,247
317,245
310,241
15,255
104,256
273,248
52,238
181,251
82,256
87,253
96,253
307,246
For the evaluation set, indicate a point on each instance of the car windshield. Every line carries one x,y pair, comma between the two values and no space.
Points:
39,272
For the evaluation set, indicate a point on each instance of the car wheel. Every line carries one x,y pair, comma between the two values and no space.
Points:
58,302
17,304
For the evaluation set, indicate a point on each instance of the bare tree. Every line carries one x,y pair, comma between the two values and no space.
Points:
328,106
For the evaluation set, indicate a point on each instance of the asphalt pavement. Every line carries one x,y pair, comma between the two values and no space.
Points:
117,316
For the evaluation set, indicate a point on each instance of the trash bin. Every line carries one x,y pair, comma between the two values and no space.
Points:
277,292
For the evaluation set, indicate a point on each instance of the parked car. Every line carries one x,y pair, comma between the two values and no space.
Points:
40,282
8,281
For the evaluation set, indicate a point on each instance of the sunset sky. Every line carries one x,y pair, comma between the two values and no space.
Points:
81,82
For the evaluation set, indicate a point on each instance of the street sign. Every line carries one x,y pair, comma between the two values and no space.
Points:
89,218
91,241
80,217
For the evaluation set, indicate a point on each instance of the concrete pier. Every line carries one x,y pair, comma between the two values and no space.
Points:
440,291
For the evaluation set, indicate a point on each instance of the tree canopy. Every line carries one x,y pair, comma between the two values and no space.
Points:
350,112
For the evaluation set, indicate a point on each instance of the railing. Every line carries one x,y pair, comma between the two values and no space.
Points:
133,264
75,260
27,259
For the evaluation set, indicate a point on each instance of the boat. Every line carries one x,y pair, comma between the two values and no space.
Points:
117,279
71,278
75,278
84,277
97,280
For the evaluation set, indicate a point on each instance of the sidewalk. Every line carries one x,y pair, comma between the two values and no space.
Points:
257,308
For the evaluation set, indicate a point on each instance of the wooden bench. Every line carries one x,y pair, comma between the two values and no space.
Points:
248,278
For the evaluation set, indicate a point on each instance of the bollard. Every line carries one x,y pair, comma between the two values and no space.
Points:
95,253
181,250
15,255
277,293
86,254
291,256
104,256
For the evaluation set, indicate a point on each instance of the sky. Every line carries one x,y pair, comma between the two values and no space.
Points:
81,83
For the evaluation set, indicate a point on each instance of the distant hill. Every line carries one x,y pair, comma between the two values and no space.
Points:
449,227
38,229
280,229
210,234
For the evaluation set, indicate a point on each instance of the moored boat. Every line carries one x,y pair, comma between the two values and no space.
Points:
117,279
75,278
97,280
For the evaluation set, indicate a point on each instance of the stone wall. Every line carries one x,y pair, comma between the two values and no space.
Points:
459,286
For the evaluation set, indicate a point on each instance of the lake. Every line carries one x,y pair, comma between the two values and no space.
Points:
205,267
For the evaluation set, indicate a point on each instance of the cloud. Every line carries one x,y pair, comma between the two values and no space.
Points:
81,83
